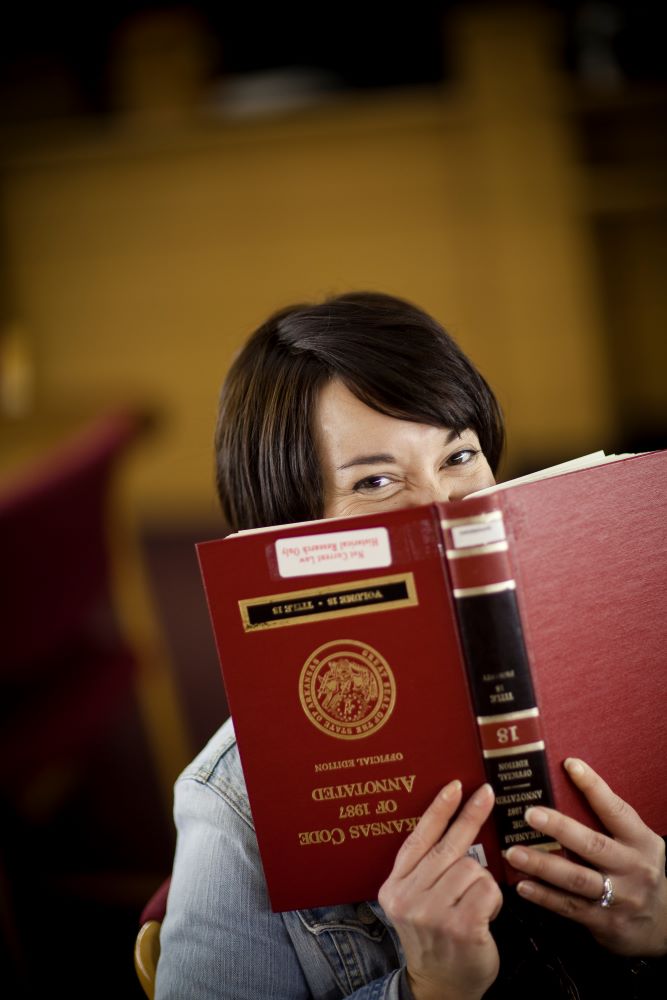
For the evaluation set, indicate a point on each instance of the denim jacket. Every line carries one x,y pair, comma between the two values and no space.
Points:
220,939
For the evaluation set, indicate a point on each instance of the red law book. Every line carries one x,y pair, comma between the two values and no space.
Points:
369,660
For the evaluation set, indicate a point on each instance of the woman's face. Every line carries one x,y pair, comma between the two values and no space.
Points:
373,462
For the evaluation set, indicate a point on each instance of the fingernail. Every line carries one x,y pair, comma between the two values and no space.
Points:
452,789
482,794
516,854
574,766
525,889
536,817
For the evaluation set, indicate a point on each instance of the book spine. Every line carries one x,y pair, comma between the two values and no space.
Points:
499,675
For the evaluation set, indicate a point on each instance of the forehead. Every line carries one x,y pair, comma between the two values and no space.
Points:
346,428
338,409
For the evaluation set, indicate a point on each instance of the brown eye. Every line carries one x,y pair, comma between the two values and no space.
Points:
461,457
371,483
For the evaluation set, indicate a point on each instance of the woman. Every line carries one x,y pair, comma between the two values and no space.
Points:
360,404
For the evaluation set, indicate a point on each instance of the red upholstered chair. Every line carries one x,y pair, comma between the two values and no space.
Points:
147,944
64,661
78,643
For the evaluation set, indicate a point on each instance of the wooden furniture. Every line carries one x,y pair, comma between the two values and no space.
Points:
147,944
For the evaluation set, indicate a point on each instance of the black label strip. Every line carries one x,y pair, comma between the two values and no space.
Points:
296,607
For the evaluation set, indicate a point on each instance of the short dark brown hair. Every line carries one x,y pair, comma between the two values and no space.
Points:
393,356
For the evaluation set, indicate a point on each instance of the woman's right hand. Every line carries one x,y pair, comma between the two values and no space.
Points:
441,901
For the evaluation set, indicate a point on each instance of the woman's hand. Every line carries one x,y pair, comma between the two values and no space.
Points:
632,856
441,901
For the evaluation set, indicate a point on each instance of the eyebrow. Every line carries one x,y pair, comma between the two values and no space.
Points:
384,458
368,460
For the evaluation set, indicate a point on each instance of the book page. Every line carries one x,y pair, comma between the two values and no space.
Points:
573,465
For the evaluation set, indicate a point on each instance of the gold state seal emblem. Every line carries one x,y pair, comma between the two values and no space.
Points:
347,689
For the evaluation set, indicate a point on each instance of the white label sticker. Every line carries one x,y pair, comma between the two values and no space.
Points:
478,533
333,552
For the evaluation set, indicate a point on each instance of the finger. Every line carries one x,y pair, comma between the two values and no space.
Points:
430,840
456,880
453,846
617,815
576,908
557,871
593,846
465,828
429,829
481,902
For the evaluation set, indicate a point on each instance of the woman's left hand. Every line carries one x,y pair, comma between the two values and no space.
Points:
632,856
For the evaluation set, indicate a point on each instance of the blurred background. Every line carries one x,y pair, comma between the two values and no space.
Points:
169,175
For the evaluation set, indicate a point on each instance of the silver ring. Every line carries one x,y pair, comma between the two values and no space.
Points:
608,894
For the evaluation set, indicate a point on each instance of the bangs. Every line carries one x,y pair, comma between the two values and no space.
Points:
391,355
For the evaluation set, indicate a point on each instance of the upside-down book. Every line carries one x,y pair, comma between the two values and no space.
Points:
369,660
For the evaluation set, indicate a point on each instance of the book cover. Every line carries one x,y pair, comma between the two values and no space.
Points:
366,664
